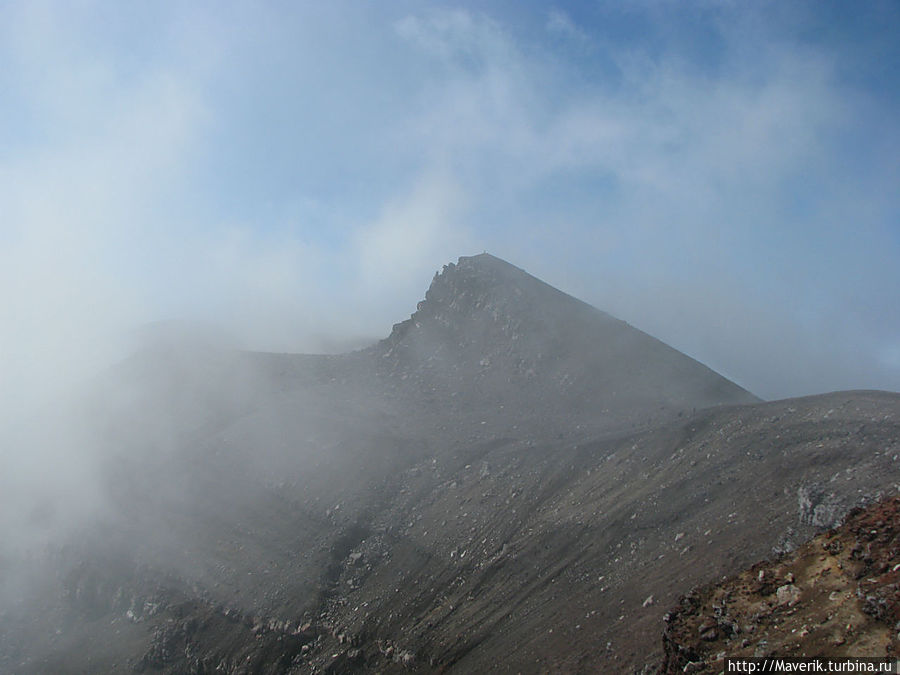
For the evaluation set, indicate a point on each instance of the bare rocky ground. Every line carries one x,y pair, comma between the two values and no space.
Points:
512,481
837,595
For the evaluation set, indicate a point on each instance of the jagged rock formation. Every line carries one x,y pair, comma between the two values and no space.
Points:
837,595
512,479
487,328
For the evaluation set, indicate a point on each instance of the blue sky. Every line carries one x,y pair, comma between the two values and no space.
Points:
722,175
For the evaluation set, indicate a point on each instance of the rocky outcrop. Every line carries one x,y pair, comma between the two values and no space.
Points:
837,595
486,328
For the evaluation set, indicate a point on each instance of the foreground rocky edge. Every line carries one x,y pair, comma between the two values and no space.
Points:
837,595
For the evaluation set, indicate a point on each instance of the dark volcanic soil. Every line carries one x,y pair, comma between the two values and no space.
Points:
512,481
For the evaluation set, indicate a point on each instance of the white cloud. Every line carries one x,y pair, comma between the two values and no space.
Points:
412,237
561,24
459,38
76,198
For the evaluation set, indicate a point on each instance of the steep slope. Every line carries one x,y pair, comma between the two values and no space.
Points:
466,495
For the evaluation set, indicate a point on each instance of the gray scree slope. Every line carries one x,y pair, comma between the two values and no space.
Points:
512,481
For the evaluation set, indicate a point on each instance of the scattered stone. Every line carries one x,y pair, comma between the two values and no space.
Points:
787,595
856,590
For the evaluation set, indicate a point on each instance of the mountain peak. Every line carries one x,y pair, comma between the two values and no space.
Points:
487,327
477,272
482,281
485,263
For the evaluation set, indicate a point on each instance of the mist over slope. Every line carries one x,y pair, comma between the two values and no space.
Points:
511,479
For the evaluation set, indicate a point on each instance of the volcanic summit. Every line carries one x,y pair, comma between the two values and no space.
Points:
511,480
